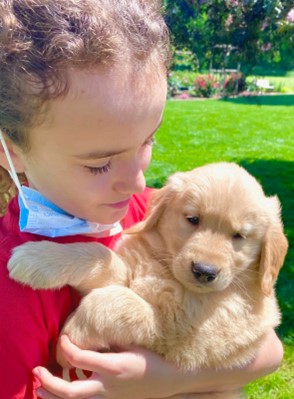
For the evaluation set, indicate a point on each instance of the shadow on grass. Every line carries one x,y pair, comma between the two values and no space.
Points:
276,177
272,100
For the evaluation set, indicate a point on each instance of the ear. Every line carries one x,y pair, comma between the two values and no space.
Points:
155,210
273,252
159,200
13,151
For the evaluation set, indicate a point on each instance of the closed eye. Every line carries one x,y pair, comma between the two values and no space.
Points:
150,141
99,170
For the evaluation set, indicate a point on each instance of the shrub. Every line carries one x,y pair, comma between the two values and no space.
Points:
174,85
234,84
205,86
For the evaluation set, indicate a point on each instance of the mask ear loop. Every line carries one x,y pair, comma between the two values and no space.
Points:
12,170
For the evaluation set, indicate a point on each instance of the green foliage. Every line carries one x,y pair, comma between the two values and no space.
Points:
174,85
184,80
252,32
184,61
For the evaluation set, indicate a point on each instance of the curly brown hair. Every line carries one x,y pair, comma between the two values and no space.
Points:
41,39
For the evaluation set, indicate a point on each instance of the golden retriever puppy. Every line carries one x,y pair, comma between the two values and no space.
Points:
193,281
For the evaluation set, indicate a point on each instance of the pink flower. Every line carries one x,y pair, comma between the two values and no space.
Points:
290,16
265,25
229,21
183,96
233,3
266,47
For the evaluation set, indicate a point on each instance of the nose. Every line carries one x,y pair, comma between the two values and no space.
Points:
203,272
130,179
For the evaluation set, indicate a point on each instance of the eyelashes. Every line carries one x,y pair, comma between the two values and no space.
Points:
150,142
99,170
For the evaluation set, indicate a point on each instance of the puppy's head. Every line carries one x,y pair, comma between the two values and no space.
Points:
218,227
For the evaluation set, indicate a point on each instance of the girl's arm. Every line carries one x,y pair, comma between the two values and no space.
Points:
139,374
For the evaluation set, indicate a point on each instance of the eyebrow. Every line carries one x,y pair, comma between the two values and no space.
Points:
105,154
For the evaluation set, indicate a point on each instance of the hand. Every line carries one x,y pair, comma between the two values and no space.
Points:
130,374
139,374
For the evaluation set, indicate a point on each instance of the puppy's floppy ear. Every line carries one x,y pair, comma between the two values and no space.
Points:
273,251
160,199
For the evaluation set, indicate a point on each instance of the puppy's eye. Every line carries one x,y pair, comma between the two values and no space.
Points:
237,236
193,220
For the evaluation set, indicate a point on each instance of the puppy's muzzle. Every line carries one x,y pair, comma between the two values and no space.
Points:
203,272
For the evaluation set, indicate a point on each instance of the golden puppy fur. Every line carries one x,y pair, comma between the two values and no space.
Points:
193,281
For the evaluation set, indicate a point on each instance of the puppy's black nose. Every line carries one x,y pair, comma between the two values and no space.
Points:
203,272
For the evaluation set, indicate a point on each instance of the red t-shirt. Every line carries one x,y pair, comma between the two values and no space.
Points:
30,321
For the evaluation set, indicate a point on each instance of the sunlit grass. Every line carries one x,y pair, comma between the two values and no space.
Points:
278,385
195,132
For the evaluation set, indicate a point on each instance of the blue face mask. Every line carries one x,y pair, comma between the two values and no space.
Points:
40,216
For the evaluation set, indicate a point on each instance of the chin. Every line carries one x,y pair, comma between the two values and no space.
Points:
110,217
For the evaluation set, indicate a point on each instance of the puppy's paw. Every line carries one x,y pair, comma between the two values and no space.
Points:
31,263
82,334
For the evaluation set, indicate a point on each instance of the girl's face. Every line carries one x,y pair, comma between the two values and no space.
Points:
90,154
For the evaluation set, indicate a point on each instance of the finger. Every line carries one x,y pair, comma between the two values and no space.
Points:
55,387
97,362
47,395
44,394
60,357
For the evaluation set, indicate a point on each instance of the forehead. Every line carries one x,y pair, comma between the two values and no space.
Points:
220,193
114,91
104,103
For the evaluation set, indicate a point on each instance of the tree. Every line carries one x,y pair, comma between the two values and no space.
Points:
253,31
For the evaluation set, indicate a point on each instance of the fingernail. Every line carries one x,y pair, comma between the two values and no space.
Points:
37,372
40,392
64,338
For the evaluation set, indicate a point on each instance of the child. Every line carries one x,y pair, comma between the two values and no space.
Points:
83,87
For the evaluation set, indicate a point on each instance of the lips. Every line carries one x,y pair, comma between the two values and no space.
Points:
119,205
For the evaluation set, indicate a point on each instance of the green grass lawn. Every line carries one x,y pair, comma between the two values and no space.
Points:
257,133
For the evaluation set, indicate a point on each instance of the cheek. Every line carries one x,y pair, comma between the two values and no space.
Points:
95,187
145,157
248,255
